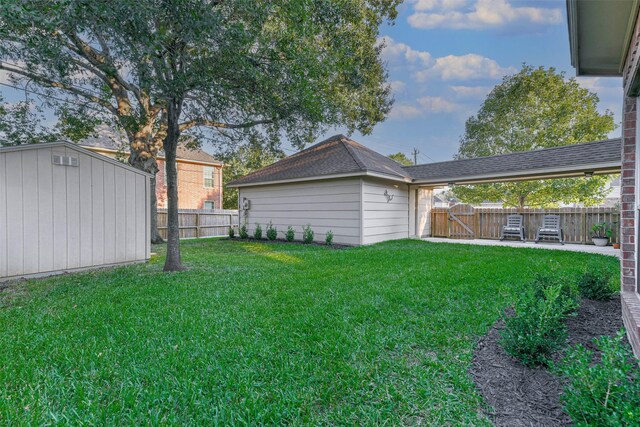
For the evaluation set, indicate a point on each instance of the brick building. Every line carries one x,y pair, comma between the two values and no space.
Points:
605,41
199,173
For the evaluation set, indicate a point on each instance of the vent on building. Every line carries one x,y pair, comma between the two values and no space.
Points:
64,160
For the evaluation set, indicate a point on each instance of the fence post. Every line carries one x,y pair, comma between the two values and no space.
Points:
197,225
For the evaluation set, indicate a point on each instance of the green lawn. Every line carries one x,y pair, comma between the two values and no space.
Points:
258,333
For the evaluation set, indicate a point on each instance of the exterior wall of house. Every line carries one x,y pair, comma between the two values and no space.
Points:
192,193
384,216
629,198
59,218
325,205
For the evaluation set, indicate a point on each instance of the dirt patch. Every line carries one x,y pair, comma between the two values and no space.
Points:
521,396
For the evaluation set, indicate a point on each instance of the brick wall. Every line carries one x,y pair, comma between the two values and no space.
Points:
191,191
628,195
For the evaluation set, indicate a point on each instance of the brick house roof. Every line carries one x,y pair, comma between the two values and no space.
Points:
337,155
108,139
340,156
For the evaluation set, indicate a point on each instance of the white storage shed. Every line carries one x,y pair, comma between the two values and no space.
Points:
65,208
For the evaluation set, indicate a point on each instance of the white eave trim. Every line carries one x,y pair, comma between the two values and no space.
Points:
323,177
547,173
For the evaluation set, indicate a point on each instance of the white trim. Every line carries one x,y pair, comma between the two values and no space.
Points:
76,147
321,178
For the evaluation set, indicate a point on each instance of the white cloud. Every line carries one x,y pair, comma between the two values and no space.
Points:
465,67
397,86
404,111
483,14
399,52
423,66
436,104
471,92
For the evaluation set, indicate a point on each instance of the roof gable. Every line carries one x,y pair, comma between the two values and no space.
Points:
337,155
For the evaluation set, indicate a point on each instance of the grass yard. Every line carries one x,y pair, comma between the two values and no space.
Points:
259,333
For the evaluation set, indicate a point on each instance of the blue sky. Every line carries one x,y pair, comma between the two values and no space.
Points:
444,56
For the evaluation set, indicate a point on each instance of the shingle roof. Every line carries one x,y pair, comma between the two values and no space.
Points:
576,156
109,139
340,155
337,155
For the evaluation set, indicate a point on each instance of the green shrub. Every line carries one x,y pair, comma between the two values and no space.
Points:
243,232
537,329
231,232
329,238
307,234
290,234
551,277
257,234
606,393
272,232
596,285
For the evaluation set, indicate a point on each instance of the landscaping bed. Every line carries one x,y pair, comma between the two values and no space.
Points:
522,396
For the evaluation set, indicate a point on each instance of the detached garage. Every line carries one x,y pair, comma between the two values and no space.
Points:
64,208
337,185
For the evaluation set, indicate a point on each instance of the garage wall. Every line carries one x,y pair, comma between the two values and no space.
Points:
326,205
57,218
384,219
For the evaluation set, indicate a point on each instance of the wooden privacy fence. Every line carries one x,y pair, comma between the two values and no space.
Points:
486,223
196,223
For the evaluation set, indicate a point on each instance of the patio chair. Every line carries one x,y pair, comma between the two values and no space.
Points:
514,228
550,228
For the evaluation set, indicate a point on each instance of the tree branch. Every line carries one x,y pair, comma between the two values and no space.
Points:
221,125
58,85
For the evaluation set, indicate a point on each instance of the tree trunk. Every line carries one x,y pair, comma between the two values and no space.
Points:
173,262
156,238
142,155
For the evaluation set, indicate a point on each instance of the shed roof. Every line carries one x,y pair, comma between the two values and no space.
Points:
569,160
334,157
76,147
340,156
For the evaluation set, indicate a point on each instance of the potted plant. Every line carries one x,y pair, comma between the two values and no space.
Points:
600,234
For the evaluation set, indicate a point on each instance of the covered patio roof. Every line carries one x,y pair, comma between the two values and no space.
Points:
591,158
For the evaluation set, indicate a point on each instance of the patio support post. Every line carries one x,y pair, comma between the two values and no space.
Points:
424,203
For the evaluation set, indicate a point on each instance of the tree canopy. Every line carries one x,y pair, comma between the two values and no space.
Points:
401,158
533,109
230,70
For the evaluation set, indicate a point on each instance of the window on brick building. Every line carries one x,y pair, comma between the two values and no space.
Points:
209,204
209,177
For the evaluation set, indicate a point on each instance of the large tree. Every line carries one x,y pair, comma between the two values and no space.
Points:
60,50
269,69
535,108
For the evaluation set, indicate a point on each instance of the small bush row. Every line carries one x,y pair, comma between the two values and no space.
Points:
272,233
537,328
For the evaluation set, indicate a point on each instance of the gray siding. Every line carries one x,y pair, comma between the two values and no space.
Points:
381,219
56,218
325,205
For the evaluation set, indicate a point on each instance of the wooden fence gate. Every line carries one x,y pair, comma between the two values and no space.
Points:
466,222
461,221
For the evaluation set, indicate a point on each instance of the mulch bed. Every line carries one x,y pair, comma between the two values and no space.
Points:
522,396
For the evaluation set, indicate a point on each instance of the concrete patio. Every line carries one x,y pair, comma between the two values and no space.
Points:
592,249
